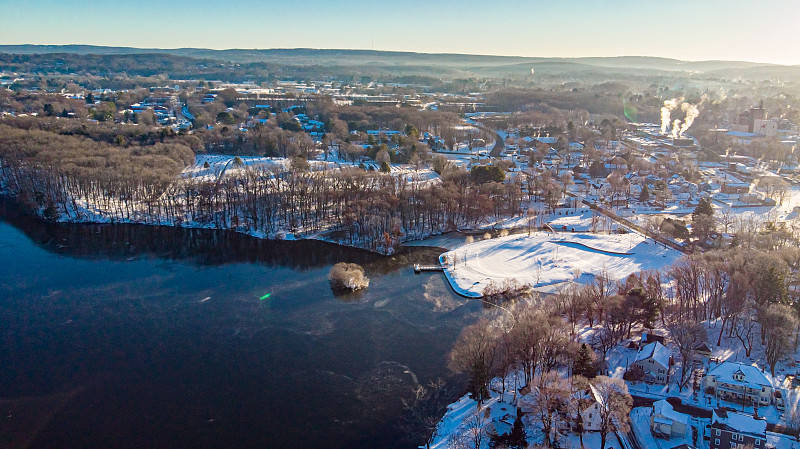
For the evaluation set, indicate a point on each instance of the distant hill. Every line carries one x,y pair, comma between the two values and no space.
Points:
407,62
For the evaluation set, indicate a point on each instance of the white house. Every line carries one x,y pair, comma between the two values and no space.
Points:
589,403
665,422
733,381
653,359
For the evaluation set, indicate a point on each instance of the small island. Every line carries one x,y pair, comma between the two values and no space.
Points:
347,277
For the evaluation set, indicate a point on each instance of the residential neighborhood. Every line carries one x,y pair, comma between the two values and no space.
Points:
478,227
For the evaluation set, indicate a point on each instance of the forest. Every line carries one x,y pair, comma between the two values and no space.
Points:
76,178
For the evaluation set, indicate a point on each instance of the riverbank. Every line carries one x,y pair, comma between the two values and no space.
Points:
86,216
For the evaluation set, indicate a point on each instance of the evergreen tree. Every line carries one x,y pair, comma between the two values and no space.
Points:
703,208
645,195
90,98
703,224
597,169
584,363
517,439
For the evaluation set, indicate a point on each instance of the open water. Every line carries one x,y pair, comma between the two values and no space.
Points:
132,336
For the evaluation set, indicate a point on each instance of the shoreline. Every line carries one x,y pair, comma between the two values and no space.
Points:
443,242
425,242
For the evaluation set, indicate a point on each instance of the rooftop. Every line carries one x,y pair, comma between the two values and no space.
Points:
665,409
739,422
657,351
752,374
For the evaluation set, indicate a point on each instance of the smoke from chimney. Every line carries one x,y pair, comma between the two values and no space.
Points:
669,106
676,126
691,113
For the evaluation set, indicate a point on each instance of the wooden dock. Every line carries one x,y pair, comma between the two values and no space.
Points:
420,268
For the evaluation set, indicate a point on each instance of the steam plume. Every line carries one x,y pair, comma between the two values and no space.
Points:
669,106
691,113
676,126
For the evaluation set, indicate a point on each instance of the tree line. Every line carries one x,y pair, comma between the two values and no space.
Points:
82,179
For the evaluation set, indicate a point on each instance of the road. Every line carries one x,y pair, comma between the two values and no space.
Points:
499,143
631,225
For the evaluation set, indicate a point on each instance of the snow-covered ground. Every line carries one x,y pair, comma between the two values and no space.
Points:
220,164
580,219
501,414
640,425
546,259
459,413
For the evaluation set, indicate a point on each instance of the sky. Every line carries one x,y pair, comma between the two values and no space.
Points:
758,31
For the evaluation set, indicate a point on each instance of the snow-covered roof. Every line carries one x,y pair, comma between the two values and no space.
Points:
739,422
740,134
597,396
664,408
656,351
752,374
547,139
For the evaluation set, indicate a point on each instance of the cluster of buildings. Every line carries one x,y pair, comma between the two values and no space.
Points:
163,113
733,383
754,123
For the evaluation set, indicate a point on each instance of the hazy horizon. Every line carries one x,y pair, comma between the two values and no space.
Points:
681,29
390,51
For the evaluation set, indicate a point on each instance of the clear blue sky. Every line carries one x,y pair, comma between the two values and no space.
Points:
684,29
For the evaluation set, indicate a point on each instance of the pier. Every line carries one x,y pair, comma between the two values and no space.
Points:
420,268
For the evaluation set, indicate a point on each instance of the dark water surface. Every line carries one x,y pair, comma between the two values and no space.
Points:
123,336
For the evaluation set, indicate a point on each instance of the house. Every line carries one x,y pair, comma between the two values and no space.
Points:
666,423
703,350
386,132
735,187
653,359
651,336
731,429
547,140
737,382
589,403
740,383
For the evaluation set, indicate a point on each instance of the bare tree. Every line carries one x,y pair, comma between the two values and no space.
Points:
602,341
745,328
615,405
779,323
792,419
474,427
474,353
687,336
547,403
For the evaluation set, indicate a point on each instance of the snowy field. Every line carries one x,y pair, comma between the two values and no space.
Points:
545,260
219,165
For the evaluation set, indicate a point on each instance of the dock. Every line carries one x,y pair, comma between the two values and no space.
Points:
420,268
